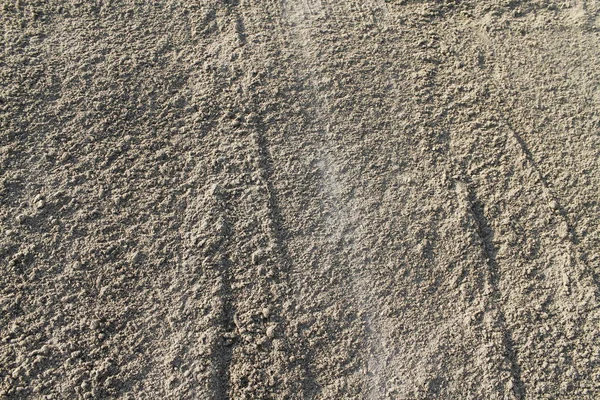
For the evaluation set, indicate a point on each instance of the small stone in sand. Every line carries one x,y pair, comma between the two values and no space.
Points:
265,312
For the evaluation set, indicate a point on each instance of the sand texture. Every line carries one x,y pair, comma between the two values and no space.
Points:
299,199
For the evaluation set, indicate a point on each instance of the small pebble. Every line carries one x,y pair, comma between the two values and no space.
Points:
17,372
553,204
94,325
40,204
271,332
257,256
136,257
251,117
20,218
170,381
563,230
266,312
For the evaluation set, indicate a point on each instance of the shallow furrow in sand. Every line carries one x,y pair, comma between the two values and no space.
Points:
535,249
299,199
493,278
575,285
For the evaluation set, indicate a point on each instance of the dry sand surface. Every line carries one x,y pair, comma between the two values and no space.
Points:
299,199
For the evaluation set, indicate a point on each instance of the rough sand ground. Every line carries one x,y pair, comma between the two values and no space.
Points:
300,199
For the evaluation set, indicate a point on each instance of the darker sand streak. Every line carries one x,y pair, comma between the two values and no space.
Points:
222,353
485,233
309,384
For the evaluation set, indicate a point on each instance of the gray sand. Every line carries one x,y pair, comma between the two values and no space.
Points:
299,199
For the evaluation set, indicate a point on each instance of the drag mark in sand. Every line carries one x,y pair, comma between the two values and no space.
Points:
549,194
279,234
265,164
217,262
485,234
239,26
224,352
504,87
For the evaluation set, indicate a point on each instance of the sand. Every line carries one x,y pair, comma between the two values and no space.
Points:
299,199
